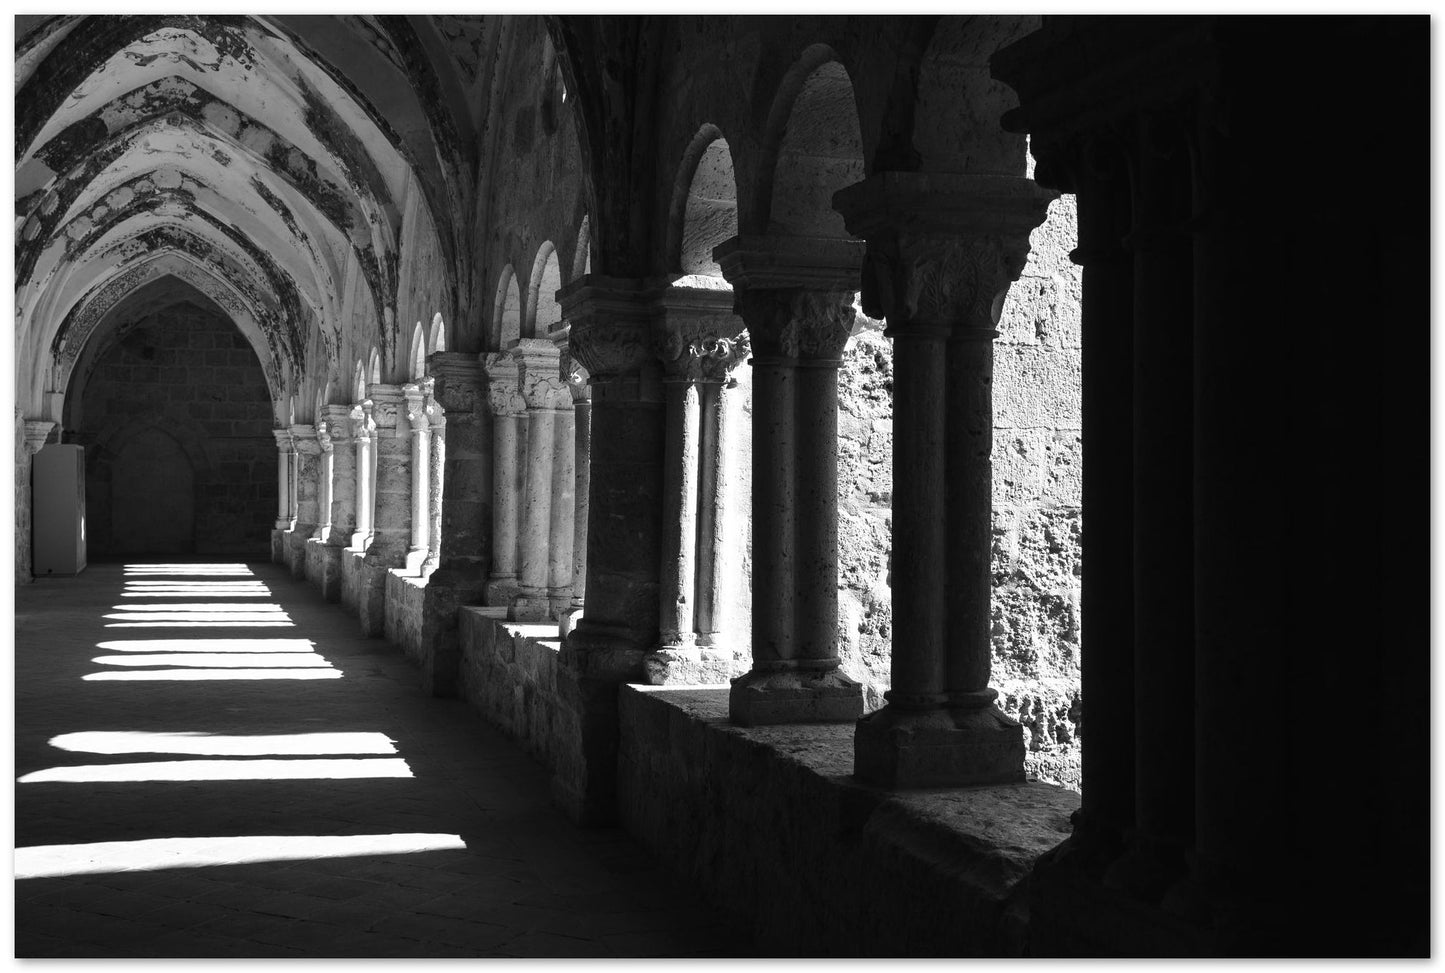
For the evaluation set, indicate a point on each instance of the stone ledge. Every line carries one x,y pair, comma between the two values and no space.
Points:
771,822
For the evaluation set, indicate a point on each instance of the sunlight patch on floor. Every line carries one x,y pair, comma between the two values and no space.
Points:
184,675
262,646
218,660
341,768
150,854
221,744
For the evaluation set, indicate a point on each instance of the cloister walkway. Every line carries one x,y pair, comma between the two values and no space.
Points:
211,762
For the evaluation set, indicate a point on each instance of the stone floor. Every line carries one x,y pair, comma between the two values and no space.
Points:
185,792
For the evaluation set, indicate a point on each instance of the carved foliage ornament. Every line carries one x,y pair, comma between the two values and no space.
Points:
799,323
955,282
610,346
698,354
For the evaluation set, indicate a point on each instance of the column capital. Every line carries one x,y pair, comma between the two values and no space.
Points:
303,435
387,403
36,432
539,374
338,423
362,424
698,337
284,442
812,263
503,393
419,404
323,435
611,324
460,381
798,324
942,248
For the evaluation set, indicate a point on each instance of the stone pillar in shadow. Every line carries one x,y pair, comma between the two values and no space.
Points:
942,252
796,298
581,389
562,528
436,484
363,433
612,337
391,532
700,344
285,457
306,476
463,511
508,407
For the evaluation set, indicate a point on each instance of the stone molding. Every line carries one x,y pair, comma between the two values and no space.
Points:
284,443
942,248
36,432
539,374
419,405
460,382
699,338
503,393
810,263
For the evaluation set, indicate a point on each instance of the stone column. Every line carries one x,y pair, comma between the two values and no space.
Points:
577,382
325,472
435,485
545,395
701,342
391,533
943,250
562,530
796,298
363,431
308,511
461,458
340,516
285,454
507,405
611,337
35,433
419,421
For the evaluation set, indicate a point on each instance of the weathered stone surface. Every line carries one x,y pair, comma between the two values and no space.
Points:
832,868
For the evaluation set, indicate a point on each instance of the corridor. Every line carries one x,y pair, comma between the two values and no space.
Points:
211,762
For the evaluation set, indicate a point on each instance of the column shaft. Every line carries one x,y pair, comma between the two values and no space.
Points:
564,504
774,512
436,475
968,469
504,491
582,417
365,465
533,558
679,515
711,497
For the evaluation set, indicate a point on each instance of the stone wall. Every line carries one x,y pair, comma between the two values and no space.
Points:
509,675
1037,461
179,398
22,504
770,823
404,605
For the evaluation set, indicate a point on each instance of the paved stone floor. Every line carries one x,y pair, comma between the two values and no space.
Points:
216,764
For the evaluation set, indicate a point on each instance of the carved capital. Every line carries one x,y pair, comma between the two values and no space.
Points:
283,440
362,424
611,325
323,435
338,423
575,376
460,381
942,248
303,435
539,377
36,432
387,403
503,392
797,323
696,353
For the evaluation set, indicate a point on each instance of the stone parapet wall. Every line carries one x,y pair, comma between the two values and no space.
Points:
405,604
22,504
508,673
769,822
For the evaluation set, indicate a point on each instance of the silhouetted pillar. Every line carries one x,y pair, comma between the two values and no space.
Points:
508,407
561,531
545,396
796,298
285,455
391,532
702,341
943,250
462,508
306,474
363,432
611,336
339,505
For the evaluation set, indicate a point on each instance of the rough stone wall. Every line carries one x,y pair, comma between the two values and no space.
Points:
404,598
187,373
508,673
1037,462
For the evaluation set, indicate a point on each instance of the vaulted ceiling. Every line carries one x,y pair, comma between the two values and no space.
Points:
274,163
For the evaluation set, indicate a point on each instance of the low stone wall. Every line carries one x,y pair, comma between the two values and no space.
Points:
405,597
508,672
770,822
351,578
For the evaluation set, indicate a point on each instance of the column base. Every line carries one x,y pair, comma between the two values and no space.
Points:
766,698
414,559
685,665
530,605
501,591
938,748
278,545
